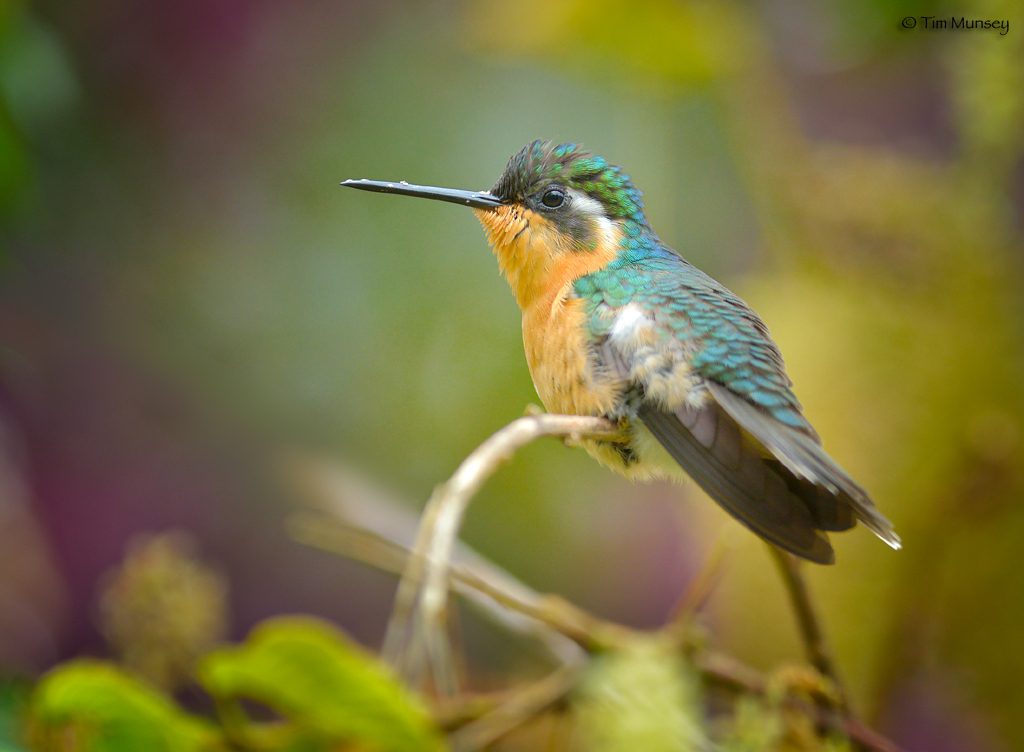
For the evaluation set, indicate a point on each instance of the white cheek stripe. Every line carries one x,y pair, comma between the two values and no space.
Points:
591,207
584,204
607,229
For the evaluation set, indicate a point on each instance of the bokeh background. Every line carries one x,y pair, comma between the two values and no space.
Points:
185,292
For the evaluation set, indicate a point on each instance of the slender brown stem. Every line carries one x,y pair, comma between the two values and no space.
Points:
520,707
807,619
701,586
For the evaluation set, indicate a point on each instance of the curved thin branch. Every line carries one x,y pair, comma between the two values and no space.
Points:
498,595
416,637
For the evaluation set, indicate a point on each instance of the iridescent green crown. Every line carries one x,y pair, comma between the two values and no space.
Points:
540,164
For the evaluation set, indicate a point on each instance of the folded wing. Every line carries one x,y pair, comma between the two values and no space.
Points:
763,495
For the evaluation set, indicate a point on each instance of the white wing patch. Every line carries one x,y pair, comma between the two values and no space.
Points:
629,323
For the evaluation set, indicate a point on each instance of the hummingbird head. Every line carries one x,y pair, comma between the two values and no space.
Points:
556,213
564,213
569,186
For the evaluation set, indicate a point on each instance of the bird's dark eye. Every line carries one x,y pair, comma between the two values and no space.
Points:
553,198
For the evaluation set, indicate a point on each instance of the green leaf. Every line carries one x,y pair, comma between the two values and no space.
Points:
314,676
94,707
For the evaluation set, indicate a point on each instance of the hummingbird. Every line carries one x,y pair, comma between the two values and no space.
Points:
618,324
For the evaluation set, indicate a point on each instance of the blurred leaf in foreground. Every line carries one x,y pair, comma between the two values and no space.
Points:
90,706
323,684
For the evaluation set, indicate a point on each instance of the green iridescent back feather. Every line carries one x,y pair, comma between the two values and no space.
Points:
727,341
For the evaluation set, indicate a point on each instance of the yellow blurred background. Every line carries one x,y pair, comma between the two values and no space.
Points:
185,291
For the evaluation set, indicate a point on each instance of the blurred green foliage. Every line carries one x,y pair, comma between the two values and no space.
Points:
90,705
13,695
14,159
326,686
37,88
644,696
327,693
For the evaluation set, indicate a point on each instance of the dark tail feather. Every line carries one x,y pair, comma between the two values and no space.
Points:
803,456
831,512
762,494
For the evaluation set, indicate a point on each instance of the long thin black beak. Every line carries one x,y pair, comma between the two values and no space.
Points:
476,199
